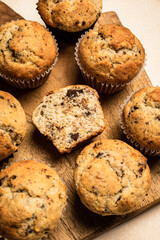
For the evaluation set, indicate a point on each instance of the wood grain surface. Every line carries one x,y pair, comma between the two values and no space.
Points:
77,221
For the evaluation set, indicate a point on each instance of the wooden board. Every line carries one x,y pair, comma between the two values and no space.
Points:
77,222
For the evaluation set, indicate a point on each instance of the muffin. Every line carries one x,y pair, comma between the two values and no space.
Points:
32,199
28,52
111,177
69,18
141,120
109,57
12,124
69,116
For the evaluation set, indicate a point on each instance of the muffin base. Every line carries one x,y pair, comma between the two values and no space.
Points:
144,150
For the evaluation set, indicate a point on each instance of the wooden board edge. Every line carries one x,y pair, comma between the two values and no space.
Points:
123,220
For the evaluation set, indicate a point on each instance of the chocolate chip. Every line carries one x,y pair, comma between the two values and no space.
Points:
42,206
88,113
141,170
147,123
150,142
158,118
1,97
83,23
99,155
89,167
42,113
135,107
12,105
77,22
48,176
20,190
13,176
136,121
96,193
74,136
97,144
62,103
73,92
124,52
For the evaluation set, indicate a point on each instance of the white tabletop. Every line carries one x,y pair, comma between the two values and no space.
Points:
142,17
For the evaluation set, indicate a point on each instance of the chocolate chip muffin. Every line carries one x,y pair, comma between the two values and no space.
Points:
27,53
69,16
69,116
109,57
12,124
111,177
141,120
32,198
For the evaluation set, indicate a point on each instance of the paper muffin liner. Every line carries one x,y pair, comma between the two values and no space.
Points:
33,82
144,150
102,87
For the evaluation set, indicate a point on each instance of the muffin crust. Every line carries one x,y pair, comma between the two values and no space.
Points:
27,49
111,177
12,124
111,53
70,16
141,117
32,198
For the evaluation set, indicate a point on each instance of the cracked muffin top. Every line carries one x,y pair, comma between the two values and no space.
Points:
12,124
111,177
32,198
111,53
141,117
27,49
70,16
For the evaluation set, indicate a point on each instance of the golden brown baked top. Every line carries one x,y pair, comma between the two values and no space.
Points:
111,53
111,177
141,116
12,124
27,49
70,16
32,198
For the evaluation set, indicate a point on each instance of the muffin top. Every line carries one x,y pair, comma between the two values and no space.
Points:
32,199
111,177
111,53
141,116
27,49
12,124
70,16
